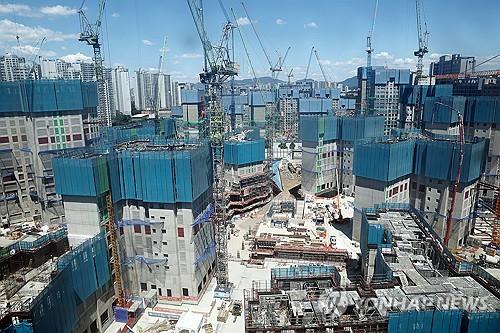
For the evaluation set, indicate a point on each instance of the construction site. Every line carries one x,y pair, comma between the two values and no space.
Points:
279,207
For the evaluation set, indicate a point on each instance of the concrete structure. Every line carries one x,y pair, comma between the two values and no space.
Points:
39,293
407,287
247,179
478,100
328,151
37,117
162,195
419,171
379,90
453,64
121,91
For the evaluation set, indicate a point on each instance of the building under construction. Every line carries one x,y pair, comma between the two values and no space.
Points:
421,169
410,284
46,287
287,234
161,200
248,183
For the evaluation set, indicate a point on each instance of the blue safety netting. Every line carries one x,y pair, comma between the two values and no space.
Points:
47,96
204,216
244,152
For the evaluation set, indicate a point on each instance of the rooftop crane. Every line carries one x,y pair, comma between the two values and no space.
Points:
90,33
219,67
422,42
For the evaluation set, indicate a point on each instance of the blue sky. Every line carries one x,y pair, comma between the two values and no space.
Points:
134,30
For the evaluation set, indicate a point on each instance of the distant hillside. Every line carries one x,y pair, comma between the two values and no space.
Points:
351,82
262,80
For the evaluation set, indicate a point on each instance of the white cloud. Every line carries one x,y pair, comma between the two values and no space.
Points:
17,9
75,57
404,61
325,62
241,21
9,30
58,10
33,50
147,42
313,25
115,15
190,55
28,11
280,21
63,48
383,55
435,56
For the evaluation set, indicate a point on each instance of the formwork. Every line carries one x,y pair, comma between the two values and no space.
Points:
384,161
244,152
81,175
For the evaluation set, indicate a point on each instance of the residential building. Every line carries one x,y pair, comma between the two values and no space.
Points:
379,91
328,144
147,85
13,68
36,118
121,91
453,64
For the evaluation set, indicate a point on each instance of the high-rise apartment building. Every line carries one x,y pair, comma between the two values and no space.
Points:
148,87
13,68
121,90
162,204
36,118
453,64
379,90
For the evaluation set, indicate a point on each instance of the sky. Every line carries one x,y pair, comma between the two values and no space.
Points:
133,33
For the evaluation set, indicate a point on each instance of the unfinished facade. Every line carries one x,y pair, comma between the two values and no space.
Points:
162,196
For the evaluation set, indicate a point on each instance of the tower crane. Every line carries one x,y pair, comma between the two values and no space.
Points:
369,38
219,67
290,75
369,50
309,63
278,66
90,33
157,100
422,41
320,65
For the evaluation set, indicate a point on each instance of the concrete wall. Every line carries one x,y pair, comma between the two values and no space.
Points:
82,218
173,272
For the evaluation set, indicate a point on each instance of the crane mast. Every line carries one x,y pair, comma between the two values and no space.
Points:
422,42
219,67
157,100
90,33
369,51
